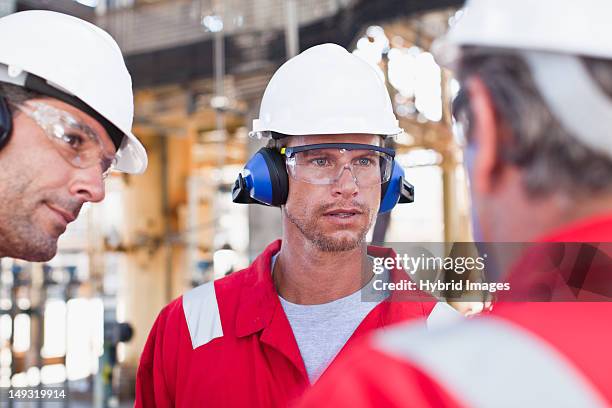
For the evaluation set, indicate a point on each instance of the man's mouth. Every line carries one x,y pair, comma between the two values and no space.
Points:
343,212
66,215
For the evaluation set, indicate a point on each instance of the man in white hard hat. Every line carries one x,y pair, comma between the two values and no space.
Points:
261,336
66,110
536,107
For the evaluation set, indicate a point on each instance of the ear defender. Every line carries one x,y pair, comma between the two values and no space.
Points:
396,190
264,180
6,122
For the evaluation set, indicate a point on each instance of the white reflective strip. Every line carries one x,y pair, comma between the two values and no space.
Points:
202,314
443,315
492,363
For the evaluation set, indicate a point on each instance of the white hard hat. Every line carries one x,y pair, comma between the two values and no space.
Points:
68,58
550,36
562,26
326,90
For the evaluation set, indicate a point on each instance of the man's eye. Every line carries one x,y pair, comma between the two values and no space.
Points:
365,162
75,141
320,162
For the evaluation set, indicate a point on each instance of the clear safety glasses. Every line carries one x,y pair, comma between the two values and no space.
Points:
325,163
78,144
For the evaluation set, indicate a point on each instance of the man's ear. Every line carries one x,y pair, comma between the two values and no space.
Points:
485,137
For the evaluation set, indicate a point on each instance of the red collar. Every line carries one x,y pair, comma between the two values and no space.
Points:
258,297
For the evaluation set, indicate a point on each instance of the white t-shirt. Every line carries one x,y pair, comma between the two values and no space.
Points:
322,330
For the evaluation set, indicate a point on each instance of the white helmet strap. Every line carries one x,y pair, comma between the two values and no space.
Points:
574,97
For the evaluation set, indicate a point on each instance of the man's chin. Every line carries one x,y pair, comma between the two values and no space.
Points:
339,242
40,254
33,255
38,249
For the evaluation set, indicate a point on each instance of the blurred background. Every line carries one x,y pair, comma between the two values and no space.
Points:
199,69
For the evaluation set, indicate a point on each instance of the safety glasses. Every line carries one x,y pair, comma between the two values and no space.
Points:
78,143
325,163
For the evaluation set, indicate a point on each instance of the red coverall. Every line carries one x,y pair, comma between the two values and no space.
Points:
228,343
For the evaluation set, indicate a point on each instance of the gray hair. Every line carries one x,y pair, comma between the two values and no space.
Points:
552,159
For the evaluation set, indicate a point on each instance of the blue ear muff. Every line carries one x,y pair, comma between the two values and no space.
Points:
264,180
396,190
6,122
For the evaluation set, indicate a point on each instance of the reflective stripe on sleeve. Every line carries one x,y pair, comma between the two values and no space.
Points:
202,314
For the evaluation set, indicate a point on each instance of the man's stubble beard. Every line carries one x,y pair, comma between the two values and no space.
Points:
20,236
325,243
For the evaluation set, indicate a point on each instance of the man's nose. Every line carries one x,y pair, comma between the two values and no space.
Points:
88,184
346,185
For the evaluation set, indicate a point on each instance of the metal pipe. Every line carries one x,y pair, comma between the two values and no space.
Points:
292,29
166,215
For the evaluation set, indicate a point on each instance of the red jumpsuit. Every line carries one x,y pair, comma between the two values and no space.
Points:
228,343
